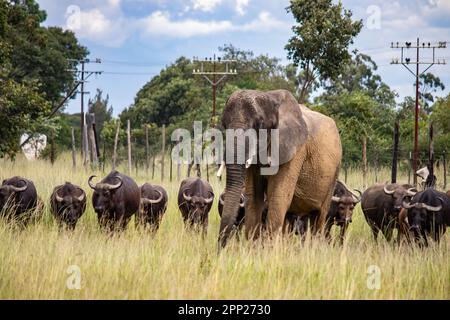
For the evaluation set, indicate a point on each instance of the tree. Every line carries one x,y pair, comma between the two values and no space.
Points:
34,70
22,109
99,107
359,74
321,39
441,117
429,84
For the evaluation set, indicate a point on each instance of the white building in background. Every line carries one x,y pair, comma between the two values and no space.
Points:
33,148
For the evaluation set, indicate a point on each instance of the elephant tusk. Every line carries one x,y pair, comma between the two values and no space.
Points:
221,168
248,163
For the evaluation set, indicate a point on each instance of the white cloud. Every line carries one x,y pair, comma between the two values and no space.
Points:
264,22
160,24
205,5
410,22
97,27
241,5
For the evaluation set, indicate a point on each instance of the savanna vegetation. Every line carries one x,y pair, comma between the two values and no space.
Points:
37,262
41,262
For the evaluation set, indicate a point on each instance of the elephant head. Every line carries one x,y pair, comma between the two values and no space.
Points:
250,109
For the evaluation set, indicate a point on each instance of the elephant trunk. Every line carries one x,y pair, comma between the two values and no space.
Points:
234,185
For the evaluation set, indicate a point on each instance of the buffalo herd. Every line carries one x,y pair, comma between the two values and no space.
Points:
417,215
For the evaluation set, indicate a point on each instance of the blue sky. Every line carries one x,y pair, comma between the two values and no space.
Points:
136,38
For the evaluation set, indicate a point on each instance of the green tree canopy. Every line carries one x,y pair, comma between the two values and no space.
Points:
321,39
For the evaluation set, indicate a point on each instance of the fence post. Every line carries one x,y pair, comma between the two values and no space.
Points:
116,141
129,146
92,139
409,168
153,167
136,158
170,164
395,153
74,155
364,155
146,150
52,147
178,160
431,150
85,143
445,169
163,151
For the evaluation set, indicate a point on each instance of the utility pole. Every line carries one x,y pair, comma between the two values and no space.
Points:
217,69
211,69
406,61
84,75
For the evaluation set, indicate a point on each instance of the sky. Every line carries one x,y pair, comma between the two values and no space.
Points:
135,39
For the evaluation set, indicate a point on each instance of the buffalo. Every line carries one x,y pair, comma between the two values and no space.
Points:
153,205
68,203
340,213
115,199
428,213
18,199
381,205
195,198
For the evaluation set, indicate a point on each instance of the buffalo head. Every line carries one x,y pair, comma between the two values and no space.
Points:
103,194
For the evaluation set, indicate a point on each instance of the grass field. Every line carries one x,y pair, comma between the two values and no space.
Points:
42,263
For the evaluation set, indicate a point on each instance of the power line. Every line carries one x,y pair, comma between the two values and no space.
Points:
220,68
129,73
406,61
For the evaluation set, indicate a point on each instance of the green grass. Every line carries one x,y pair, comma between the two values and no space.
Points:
176,264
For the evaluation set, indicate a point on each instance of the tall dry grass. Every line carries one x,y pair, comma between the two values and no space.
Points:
36,262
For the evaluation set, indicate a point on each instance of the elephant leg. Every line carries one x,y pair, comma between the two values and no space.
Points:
254,207
280,192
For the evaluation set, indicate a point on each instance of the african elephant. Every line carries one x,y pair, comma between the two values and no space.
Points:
309,157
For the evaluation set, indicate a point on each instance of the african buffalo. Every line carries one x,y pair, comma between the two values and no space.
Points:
68,203
340,213
428,213
18,198
195,199
381,205
153,205
115,199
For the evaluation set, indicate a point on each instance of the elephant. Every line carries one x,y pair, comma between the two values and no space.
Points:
309,151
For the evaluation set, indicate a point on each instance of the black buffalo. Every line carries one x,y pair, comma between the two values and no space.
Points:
18,199
381,205
195,199
115,199
153,205
428,214
340,213
68,203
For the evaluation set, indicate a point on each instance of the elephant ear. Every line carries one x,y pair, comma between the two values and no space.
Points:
293,130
